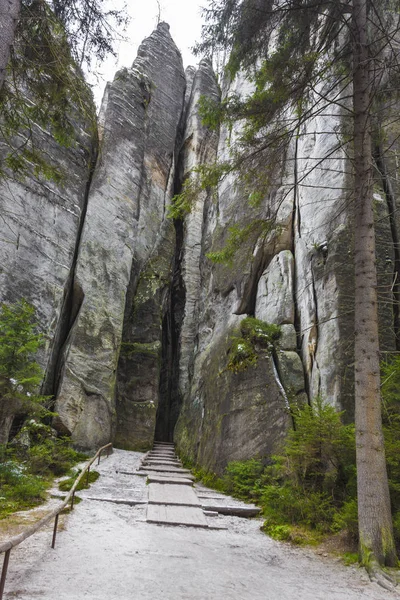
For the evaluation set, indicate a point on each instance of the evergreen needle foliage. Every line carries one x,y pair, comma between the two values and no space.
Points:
20,374
237,236
309,486
44,89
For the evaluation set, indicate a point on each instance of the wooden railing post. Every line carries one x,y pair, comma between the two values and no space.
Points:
53,543
4,572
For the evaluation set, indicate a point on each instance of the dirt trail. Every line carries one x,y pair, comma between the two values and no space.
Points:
107,551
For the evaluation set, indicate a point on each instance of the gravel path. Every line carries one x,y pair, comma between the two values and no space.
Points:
106,551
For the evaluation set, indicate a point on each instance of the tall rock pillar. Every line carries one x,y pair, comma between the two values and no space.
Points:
126,217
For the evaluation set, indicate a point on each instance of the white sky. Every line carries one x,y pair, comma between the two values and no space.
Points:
184,18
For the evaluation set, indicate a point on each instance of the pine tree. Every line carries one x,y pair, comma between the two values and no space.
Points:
20,374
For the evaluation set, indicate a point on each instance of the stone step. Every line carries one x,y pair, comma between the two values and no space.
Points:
163,445
164,478
165,469
162,514
165,463
163,493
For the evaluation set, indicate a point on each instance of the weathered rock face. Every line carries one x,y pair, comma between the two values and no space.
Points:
275,299
40,227
131,188
221,407
140,322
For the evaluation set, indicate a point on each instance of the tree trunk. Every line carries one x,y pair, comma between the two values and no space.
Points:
6,419
9,13
374,514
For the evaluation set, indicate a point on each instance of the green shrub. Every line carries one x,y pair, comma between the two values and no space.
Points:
20,374
54,456
309,488
255,334
242,479
347,518
260,332
277,532
19,489
26,473
291,504
241,355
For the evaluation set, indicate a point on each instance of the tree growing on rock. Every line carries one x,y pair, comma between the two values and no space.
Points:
302,57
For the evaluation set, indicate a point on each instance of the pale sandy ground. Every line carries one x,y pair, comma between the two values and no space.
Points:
107,551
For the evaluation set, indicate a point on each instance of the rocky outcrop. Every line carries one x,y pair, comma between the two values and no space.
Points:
40,225
125,225
218,403
140,323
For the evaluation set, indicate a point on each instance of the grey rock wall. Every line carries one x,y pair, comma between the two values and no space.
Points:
40,226
139,322
131,188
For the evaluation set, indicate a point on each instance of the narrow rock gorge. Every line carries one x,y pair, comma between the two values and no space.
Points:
138,321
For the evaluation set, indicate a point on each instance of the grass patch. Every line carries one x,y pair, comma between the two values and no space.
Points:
350,558
20,489
84,484
27,471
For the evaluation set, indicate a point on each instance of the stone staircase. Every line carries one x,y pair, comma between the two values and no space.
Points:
172,499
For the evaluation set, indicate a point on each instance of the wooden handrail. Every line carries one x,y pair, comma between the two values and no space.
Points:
17,539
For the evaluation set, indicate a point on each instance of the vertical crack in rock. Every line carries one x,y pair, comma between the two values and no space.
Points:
42,220
296,203
196,145
279,381
296,220
391,205
313,346
72,302
170,399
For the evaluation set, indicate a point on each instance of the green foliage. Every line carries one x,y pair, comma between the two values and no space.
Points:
19,488
53,456
43,89
238,235
314,476
347,518
183,203
201,178
213,113
242,355
254,334
26,473
67,484
241,479
20,374
309,488
90,27
350,558
391,430
260,332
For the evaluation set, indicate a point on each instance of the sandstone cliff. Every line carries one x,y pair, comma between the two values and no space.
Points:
139,321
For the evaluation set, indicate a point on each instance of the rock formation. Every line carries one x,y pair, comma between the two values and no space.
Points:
139,321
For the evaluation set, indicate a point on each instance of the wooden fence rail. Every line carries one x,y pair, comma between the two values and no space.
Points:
7,546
